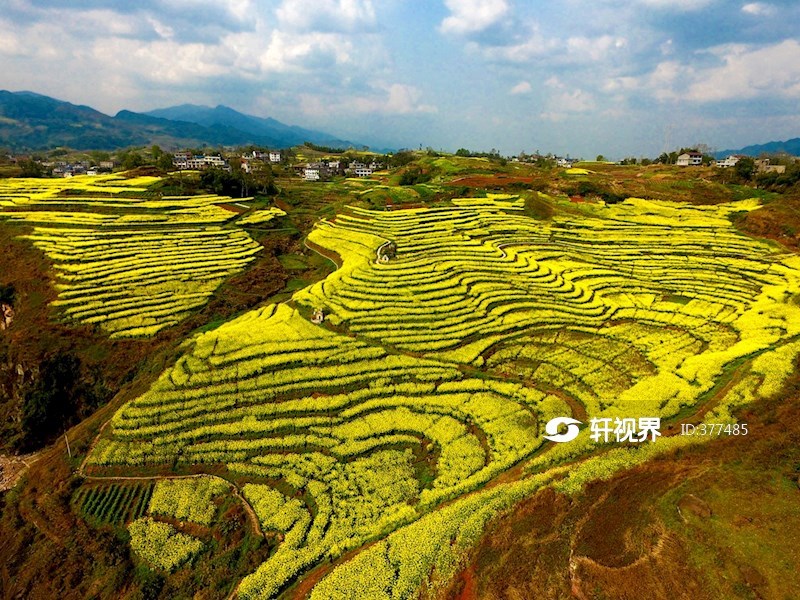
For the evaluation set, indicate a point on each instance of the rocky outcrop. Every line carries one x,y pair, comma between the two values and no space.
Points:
6,316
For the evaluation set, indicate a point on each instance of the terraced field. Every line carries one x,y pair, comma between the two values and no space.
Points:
414,412
128,260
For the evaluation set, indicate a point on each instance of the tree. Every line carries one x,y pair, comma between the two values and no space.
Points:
51,401
8,294
164,162
31,168
130,159
600,158
221,182
99,156
401,158
413,176
263,179
462,152
745,168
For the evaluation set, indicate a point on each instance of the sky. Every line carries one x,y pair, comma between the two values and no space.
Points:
576,78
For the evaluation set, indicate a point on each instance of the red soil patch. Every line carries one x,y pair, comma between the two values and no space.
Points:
469,591
232,208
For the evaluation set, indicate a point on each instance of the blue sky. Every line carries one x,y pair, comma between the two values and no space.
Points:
578,77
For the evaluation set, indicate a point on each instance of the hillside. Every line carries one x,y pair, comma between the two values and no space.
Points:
223,116
396,448
31,122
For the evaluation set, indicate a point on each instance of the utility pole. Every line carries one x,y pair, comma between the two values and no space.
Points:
667,138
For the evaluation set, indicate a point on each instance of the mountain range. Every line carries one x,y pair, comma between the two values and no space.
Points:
30,121
791,146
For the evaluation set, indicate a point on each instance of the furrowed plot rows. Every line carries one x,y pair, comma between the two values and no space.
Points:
460,273
116,503
632,310
136,283
128,260
483,271
275,398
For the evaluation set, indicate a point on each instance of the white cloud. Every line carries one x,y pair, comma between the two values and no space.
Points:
10,44
523,87
327,15
594,49
531,46
304,52
473,16
758,9
620,84
750,73
396,99
383,99
566,100
741,72
676,5
148,56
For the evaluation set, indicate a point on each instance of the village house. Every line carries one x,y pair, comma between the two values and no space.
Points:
359,169
180,160
273,156
763,166
690,159
312,173
184,161
728,162
316,171
363,172
566,163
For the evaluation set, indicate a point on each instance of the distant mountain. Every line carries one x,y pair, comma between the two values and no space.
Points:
789,147
30,121
224,116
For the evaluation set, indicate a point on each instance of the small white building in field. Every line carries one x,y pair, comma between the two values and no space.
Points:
316,171
274,156
727,162
198,163
690,159
359,169
564,162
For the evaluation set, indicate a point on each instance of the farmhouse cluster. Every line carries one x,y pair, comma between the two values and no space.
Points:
252,161
695,159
